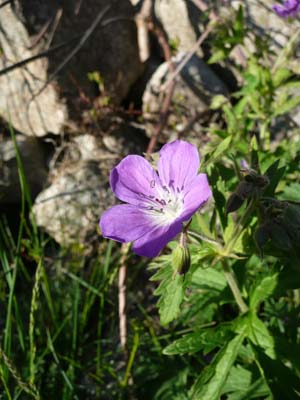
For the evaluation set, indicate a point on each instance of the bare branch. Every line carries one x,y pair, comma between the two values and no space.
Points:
164,114
42,54
188,56
122,296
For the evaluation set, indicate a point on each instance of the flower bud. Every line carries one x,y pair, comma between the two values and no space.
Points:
237,198
181,259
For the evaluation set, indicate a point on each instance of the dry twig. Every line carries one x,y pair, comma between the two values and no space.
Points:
42,54
164,114
122,297
186,59
142,20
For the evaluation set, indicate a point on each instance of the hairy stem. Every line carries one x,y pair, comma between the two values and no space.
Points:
240,226
231,280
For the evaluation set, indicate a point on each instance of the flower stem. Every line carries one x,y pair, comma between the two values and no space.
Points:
241,225
231,280
203,237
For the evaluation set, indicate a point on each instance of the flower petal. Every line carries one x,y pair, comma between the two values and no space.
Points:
197,194
133,179
179,162
150,244
124,223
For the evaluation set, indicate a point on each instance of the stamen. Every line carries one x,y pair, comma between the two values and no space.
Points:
168,203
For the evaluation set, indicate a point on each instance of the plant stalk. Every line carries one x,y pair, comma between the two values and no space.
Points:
231,280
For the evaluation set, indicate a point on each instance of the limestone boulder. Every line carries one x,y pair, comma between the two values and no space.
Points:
69,209
181,20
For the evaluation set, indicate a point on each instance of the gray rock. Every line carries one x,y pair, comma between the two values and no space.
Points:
70,208
32,116
181,21
195,86
29,27
32,156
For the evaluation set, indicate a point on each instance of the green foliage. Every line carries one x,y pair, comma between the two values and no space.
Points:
263,290
232,32
209,385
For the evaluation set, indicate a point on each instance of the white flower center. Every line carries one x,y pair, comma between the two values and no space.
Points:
167,207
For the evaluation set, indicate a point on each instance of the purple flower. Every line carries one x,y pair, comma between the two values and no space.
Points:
289,8
157,204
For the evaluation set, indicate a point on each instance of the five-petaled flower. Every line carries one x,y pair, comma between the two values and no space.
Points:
158,204
289,8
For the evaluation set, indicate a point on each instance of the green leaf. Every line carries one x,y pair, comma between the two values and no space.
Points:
281,75
171,299
164,268
287,106
170,289
205,340
263,290
210,384
239,108
238,24
291,192
230,118
260,336
238,379
274,174
243,385
218,101
218,55
209,278
191,343
222,147
258,389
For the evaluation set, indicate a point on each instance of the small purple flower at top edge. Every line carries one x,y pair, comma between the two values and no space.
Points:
289,8
157,204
